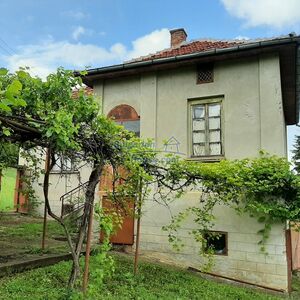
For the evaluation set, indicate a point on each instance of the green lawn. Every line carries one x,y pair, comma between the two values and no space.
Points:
21,236
7,192
154,281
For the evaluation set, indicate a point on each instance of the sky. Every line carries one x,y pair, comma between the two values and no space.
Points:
46,34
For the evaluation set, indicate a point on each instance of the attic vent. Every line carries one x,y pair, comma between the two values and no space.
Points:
205,73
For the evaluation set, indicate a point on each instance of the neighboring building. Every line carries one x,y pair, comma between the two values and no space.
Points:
210,100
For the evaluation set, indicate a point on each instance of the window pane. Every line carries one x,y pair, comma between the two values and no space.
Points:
198,150
214,136
198,111
215,148
214,110
198,137
199,124
214,123
133,126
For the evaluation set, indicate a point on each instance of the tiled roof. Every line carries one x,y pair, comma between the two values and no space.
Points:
189,48
87,90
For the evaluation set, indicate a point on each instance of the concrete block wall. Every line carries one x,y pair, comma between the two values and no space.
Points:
244,261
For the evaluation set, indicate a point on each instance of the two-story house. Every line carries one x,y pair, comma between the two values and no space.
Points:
212,100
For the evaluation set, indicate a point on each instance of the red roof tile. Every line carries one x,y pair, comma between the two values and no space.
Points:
189,48
87,90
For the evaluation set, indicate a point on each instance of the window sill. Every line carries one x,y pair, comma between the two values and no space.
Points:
215,158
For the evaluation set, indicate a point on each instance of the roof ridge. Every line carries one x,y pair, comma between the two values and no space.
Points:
200,45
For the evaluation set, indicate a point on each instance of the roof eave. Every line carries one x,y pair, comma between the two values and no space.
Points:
291,102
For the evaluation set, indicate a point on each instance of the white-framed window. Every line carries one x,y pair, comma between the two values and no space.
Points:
205,118
64,165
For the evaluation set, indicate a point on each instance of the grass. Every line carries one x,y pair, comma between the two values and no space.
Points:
7,192
154,281
21,236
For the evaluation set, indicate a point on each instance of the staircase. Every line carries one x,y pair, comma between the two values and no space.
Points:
73,201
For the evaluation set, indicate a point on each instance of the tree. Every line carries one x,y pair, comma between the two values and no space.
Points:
36,113
296,152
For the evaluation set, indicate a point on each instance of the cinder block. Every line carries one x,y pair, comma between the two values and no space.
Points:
280,250
256,257
247,265
237,255
281,270
276,259
266,268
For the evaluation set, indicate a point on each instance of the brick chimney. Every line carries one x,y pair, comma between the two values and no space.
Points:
178,36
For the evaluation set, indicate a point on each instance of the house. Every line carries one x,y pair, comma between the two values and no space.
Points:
213,99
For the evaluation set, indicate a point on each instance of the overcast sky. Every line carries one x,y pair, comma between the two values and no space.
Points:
44,34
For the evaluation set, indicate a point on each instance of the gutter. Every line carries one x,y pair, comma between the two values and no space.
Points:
241,47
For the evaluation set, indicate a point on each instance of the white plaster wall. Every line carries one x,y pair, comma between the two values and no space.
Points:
60,183
253,120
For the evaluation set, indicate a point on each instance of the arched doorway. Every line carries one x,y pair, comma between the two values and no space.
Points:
126,116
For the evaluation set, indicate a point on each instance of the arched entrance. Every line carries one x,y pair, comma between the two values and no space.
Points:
126,116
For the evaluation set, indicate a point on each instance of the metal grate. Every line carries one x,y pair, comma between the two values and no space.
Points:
205,73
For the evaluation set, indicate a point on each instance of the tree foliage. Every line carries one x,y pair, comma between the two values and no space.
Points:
296,154
263,187
45,113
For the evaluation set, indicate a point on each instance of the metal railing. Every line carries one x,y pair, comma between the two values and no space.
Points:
73,200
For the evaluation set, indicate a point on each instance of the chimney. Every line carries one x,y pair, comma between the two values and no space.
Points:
178,36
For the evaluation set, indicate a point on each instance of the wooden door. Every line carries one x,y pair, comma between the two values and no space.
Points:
21,200
124,235
295,248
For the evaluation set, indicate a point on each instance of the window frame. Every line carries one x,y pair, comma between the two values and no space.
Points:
60,168
205,101
225,233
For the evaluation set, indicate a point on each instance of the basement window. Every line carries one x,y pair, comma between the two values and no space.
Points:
216,242
205,73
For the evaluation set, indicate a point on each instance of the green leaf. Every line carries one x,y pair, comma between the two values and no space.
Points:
6,131
13,90
20,102
4,107
22,74
3,71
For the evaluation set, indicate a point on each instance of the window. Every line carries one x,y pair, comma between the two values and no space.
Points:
216,242
205,73
126,116
64,165
131,125
206,134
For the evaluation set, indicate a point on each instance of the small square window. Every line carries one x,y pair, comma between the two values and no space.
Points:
205,73
216,241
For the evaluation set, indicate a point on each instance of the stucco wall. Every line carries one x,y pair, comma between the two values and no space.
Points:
60,183
252,120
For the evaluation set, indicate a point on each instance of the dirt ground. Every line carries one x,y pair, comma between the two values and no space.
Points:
21,235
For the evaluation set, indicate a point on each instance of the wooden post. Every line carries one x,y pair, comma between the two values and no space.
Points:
87,251
137,241
47,166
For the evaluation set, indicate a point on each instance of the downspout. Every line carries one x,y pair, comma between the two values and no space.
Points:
288,239
298,85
